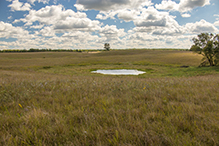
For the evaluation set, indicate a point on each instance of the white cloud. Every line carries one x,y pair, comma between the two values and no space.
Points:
79,7
128,15
126,9
19,6
47,31
171,31
55,19
60,19
23,44
79,24
70,40
112,31
158,23
105,15
216,23
37,26
146,40
183,6
153,28
9,31
55,2
79,36
107,5
24,40
167,5
188,5
201,26
185,15
39,1
144,37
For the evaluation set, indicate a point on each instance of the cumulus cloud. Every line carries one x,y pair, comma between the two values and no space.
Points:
73,40
144,37
79,24
171,31
107,5
146,40
188,5
167,5
53,20
19,6
24,40
111,32
60,19
148,20
182,6
9,31
47,31
105,15
124,9
39,1
128,15
158,23
79,36
37,26
185,15
216,23
201,26
50,15
56,27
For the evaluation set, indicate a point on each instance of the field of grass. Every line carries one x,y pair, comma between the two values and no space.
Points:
51,98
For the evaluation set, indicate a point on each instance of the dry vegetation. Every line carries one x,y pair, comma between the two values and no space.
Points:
53,99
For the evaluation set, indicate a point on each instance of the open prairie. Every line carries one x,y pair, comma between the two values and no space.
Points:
52,98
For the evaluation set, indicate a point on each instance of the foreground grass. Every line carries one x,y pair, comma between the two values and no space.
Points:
113,111
47,106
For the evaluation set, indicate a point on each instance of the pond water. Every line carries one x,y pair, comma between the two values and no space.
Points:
119,72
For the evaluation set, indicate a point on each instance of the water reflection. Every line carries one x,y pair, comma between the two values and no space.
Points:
119,72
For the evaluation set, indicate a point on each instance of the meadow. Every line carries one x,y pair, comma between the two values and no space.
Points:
52,98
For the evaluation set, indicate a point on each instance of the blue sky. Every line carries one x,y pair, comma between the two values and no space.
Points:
88,24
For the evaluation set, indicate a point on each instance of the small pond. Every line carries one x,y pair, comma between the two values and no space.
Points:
119,72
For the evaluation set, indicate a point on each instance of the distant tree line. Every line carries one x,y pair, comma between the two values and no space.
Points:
46,50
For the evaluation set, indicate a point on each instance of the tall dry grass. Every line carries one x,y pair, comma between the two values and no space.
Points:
109,111
57,101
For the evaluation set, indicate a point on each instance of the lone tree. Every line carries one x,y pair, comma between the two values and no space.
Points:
107,46
207,45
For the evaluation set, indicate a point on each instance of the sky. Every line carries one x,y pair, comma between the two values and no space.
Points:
88,24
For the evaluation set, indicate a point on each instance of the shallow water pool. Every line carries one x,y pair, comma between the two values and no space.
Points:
119,72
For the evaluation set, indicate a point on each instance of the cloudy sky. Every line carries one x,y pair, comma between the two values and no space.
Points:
88,24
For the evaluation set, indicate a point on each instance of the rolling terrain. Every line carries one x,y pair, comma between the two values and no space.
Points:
52,98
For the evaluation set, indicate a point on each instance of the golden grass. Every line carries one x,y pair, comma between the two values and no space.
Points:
121,56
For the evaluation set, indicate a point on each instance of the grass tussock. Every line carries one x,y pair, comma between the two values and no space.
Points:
61,103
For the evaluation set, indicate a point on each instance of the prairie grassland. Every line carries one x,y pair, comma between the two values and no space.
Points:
53,99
